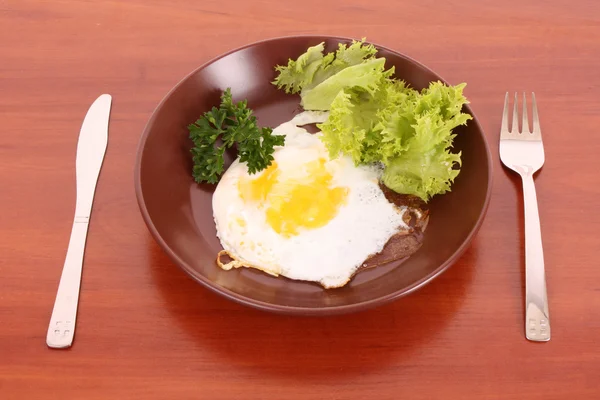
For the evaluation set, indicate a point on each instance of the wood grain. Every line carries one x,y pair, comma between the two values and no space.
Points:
147,331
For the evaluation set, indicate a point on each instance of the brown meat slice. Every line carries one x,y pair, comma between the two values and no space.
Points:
405,242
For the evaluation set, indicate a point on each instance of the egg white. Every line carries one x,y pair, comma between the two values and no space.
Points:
330,254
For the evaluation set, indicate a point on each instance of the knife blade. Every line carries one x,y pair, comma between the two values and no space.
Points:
91,147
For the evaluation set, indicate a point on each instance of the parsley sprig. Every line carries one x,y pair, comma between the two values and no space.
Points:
233,124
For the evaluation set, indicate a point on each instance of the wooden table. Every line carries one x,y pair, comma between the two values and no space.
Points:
147,331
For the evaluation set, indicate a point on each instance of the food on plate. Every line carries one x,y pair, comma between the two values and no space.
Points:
306,216
376,118
320,207
320,77
232,124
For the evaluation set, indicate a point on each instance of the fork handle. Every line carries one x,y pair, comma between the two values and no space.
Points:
537,321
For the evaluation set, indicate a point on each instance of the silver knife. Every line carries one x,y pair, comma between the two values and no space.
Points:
91,147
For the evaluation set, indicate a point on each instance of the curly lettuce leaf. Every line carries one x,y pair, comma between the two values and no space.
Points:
300,72
350,132
422,174
313,67
354,54
409,132
354,126
366,76
426,167
344,57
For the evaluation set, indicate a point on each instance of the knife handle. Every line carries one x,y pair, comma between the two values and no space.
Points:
62,323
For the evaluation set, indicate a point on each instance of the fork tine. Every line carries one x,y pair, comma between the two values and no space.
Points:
525,127
515,124
504,127
536,120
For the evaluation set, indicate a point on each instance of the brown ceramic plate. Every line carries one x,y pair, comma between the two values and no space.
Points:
178,211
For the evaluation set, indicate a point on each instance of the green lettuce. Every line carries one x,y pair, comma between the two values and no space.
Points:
408,131
319,77
300,72
366,76
375,118
425,166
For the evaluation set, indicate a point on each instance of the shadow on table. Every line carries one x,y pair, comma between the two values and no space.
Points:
311,348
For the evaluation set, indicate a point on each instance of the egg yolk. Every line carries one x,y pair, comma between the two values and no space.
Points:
294,204
258,189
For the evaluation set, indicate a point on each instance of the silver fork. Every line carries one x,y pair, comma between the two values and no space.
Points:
523,152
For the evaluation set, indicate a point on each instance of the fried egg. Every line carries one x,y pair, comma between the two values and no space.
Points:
306,216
